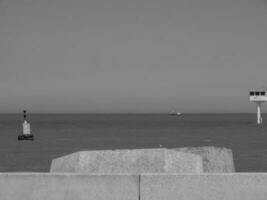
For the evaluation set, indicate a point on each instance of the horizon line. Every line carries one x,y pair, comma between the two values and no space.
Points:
122,113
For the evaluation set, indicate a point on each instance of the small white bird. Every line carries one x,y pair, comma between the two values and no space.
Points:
160,145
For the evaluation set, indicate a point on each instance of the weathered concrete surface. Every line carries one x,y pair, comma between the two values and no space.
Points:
135,161
215,159
204,187
43,186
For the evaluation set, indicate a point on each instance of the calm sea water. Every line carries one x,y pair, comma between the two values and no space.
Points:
58,135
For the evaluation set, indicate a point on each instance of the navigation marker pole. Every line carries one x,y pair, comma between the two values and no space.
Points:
258,97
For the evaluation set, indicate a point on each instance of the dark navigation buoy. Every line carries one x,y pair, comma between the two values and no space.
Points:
26,129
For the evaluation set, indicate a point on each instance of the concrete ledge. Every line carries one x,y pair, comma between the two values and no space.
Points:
215,159
137,161
134,161
204,187
43,186
65,186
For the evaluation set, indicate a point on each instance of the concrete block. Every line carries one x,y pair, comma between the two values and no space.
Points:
135,161
215,159
228,186
41,186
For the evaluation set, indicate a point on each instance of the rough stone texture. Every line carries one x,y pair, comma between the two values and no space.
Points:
215,159
43,186
228,186
135,161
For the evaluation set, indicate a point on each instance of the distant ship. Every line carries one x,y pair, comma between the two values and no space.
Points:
175,113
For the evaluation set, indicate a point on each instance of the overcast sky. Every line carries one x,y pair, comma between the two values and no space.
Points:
106,56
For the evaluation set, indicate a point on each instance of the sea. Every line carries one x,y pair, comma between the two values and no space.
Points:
60,134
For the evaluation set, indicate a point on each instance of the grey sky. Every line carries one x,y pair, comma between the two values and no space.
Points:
131,55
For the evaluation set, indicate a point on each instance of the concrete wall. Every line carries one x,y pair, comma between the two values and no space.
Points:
204,187
44,186
134,161
68,187
215,159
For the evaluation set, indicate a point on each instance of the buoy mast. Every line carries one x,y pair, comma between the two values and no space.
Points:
26,129
258,97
